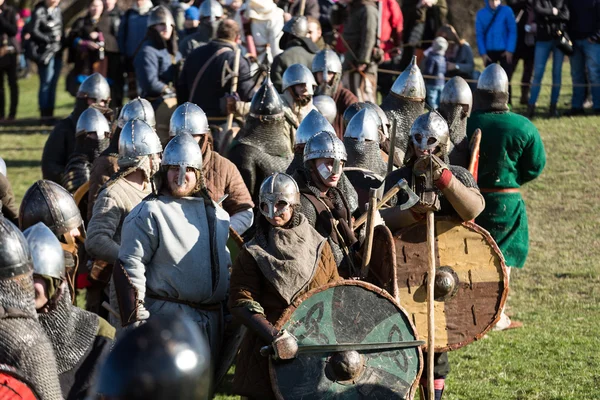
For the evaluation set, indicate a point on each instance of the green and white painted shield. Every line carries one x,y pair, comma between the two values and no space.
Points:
342,313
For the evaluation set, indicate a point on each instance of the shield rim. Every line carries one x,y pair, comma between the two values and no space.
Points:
285,316
490,240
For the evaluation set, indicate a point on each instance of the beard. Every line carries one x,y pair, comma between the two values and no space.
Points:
181,191
304,100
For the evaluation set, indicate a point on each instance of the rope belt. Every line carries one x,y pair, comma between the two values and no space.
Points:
500,190
197,306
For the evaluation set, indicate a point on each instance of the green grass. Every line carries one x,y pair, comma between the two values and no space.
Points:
556,295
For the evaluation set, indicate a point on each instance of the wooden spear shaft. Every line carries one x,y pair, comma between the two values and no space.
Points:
430,303
234,83
372,213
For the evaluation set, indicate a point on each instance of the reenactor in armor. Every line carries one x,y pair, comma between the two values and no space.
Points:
50,203
92,136
25,345
454,187
139,160
146,363
80,339
297,48
298,86
8,207
286,258
326,106
456,104
327,62
263,147
221,177
362,142
322,202
404,103
211,14
94,90
106,165
173,255
500,177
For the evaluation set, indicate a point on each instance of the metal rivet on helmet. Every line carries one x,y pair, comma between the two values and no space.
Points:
266,103
47,253
95,87
15,257
313,123
326,106
429,131
188,118
324,144
211,9
493,79
92,121
138,139
364,126
277,188
297,26
410,83
160,15
137,108
297,74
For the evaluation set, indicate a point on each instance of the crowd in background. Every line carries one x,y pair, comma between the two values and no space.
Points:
108,37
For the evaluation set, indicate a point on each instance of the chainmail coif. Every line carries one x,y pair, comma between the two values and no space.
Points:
404,112
25,346
458,148
365,154
71,330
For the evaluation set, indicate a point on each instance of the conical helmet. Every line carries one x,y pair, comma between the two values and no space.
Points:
266,104
410,83
326,61
137,108
313,123
183,151
493,79
92,121
138,139
277,189
95,87
326,106
457,91
429,131
188,118
15,257
364,126
46,251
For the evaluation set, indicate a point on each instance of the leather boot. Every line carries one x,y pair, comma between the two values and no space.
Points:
553,112
531,111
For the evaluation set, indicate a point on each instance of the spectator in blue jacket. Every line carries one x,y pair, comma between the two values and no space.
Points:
584,27
132,31
496,32
435,67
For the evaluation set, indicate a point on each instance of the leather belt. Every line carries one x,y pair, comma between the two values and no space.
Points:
500,190
197,306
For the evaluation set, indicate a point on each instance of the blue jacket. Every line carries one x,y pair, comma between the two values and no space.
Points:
435,65
154,69
502,35
132,31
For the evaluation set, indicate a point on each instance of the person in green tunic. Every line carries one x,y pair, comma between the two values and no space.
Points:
511,154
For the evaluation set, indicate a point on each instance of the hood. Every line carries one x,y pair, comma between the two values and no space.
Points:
263,10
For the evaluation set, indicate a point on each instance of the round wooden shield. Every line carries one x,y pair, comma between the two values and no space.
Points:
341,313
471,272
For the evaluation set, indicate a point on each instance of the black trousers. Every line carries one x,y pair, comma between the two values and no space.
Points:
115,72
8,67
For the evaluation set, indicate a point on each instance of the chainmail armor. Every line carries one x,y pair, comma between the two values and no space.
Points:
458,148
484,100
25,346
404,112
77,172
71,330
365,154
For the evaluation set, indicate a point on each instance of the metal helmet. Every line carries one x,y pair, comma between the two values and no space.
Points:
352,110
167,357
493,79
297,26
138,139
3,167
95,87
311,124
266,103
211,9
188,118
50,203
15,257
326,145
326,61
92,121
457,91
385,122
410,83
364,126
297,74
279,190
46,251
183,151
160,15
429,131
137,108
326,106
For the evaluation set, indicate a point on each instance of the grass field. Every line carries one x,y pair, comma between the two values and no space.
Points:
557,295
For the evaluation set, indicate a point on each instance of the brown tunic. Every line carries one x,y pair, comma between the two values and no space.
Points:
248,284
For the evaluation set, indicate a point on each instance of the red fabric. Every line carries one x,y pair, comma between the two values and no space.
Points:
11,388
82,281
444,180
392,24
